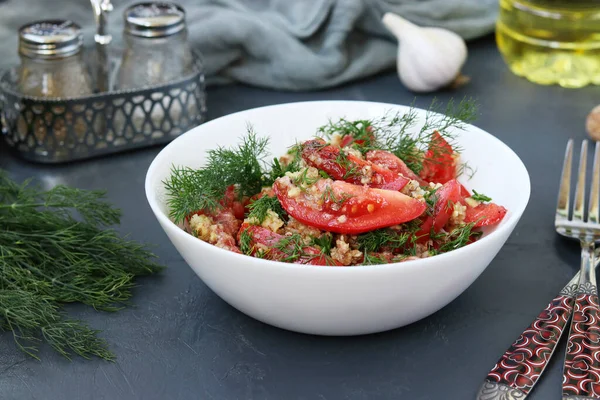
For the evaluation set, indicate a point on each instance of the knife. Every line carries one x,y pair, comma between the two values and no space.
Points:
520,367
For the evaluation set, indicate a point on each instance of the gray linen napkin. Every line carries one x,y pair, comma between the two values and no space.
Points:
278,44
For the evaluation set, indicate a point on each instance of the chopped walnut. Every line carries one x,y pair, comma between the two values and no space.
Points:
414,190
294,192
366,174
344,254
336,139
352,240
286,159
200,225
422,250
353,152
456,157
458,214
471,202
272,221
205,228
307,232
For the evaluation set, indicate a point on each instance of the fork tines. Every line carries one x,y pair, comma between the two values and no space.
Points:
570,221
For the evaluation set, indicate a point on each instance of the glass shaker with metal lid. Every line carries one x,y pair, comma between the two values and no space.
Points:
51,60
156,46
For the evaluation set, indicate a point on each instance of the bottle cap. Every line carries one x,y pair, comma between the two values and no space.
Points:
50,39
154,19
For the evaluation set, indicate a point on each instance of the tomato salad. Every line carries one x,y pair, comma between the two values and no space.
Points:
340,201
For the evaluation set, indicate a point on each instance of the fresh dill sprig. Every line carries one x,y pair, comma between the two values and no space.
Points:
324,174
261,253
302,180
452,116
374,241
329,196
437,236
370,259
343,161
431,199
56,247
480,197
190,190
466,169
243,166
404,239
32,318
459,237
246,240
259,209
393,134
360,130
292,247
278,170
325,243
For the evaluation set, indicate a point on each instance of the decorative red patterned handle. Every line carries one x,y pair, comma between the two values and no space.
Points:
517,371
581,374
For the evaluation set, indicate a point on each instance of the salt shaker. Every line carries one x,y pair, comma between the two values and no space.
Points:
156,46
51,60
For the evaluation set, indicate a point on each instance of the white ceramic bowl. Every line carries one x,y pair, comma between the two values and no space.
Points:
337,300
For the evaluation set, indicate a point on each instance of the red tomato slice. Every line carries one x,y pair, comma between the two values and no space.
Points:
269,239
348,168
347,140
338,206
231,200
388,160
225,240
226,225
228,220
438,165
485,214
447,195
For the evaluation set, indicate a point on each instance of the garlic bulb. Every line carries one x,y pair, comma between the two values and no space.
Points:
428,58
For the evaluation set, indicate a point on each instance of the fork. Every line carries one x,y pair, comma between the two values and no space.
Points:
581,372
520,367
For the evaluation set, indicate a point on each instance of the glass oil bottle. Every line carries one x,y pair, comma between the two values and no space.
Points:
551,41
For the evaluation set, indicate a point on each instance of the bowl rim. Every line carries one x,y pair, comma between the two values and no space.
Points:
516,212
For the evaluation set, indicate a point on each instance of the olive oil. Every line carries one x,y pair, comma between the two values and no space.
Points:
551,41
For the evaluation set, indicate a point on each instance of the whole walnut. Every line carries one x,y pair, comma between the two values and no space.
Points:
592,124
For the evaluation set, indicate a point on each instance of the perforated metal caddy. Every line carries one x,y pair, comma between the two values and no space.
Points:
59,130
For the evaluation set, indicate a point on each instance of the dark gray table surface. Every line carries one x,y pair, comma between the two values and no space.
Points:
180,341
